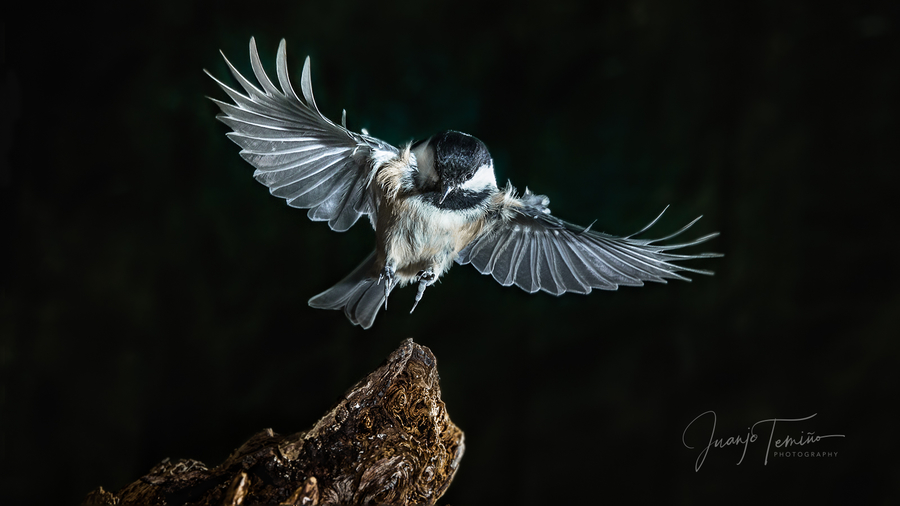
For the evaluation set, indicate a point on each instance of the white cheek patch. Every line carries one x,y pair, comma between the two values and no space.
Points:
484,178
426,175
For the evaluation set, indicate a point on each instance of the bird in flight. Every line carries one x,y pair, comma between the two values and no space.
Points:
431,202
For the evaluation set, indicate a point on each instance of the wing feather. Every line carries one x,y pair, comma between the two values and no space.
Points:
548,266
527,247
502,264
526,267
302,156
565,267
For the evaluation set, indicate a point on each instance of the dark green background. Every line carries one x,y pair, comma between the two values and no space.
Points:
153,298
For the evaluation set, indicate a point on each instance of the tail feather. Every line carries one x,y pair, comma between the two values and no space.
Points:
359,295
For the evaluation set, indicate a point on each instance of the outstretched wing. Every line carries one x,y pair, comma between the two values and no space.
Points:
301,155
528,247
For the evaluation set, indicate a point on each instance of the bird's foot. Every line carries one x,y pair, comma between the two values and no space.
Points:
387,275
426,279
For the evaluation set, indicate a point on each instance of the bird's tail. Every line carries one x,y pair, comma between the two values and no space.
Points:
359,295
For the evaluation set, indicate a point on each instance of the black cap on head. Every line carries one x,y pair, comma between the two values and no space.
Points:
457,156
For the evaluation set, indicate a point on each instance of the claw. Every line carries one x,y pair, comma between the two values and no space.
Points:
387,274
426,279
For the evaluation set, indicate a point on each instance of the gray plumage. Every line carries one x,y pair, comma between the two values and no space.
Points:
341,175
537,251
358,295
299,153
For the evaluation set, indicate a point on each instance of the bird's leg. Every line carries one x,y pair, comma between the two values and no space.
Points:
426,279
387,274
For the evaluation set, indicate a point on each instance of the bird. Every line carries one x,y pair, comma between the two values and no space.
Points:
431,202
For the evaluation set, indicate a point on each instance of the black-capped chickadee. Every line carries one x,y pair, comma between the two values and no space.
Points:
431,202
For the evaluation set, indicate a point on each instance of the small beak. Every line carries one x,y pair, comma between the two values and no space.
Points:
444,192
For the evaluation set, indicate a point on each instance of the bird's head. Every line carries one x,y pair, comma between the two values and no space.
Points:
456,162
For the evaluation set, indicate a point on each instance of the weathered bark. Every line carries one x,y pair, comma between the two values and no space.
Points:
389,440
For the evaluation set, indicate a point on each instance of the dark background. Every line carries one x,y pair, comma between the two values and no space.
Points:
153,298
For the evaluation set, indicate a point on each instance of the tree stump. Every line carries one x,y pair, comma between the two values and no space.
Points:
389,440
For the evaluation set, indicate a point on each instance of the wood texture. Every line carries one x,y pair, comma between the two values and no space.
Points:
389,440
